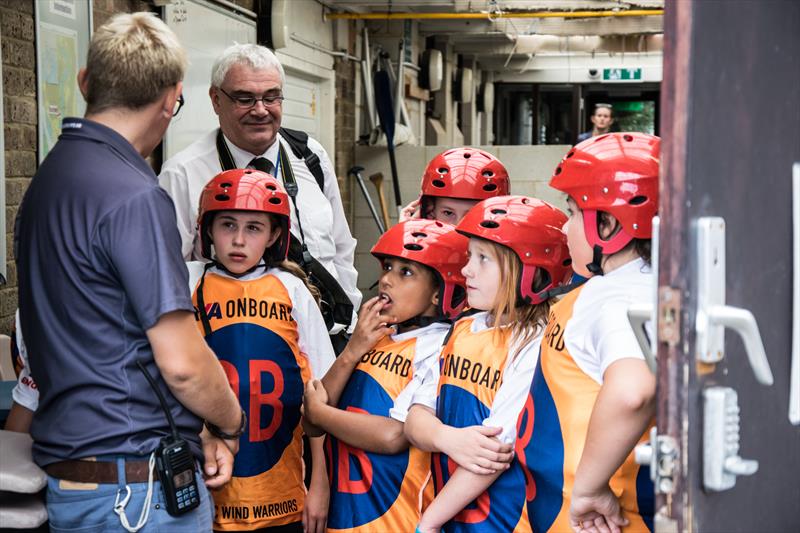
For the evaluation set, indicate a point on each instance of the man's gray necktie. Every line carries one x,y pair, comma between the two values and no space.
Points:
261,163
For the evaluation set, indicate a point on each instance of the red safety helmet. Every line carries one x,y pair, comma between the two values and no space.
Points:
616,173
465,173
244,189
531,228
437,246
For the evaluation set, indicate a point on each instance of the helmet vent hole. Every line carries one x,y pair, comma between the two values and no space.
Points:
598,139
487,174
489,224
413,247
275,200
226,185
567,262
438,183
526,201
490,187
442,170
419,235
628,138
271,187
499,211
467,155
637,200
439,224
558,170
222,197
570,154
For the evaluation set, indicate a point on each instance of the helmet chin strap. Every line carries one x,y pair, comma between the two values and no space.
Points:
220,266
597,256
563,289
423,321
615,243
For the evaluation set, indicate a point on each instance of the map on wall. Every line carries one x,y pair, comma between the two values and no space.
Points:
63,29
59,96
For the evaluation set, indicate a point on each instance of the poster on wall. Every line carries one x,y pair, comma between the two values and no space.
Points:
63,30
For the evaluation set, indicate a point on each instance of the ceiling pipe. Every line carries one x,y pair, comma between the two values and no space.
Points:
494,16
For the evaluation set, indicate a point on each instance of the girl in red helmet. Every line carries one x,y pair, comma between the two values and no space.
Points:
258,314
518,253
377,480
454,182
593,394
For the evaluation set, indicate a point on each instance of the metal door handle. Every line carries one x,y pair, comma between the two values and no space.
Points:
713,316
638,315
744,323
741,467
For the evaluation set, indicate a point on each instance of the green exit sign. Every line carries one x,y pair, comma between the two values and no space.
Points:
622,74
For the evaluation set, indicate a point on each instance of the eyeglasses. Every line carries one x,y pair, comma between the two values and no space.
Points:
178,105
246,101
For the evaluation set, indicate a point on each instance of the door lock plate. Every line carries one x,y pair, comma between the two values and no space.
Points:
710,287
662,459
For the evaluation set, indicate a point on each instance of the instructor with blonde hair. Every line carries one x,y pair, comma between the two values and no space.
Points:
104,300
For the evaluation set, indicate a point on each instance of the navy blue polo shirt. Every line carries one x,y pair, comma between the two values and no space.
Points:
99,261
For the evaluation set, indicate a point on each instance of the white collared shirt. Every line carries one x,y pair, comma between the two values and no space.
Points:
242,158
325,228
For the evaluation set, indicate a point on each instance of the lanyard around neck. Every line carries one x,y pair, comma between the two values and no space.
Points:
227,162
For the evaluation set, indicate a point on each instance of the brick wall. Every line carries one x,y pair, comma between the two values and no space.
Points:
20,137
345,122
20,115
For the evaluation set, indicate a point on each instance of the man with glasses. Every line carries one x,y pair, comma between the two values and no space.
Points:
246,92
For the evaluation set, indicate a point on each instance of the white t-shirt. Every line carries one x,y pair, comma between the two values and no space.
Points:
25,392
426,356
510,398
313,339
325,228
599,332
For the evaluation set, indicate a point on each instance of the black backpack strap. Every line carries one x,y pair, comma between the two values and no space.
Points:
201,302
298,142
335,304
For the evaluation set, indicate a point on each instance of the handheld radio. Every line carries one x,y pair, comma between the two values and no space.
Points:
175,463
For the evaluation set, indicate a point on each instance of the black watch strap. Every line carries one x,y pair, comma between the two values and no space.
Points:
217,432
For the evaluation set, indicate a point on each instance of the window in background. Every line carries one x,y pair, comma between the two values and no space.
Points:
555,115
513,113
635,116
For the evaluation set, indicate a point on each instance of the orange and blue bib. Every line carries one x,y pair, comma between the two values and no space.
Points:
471,372
255,338
373,491
552,431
